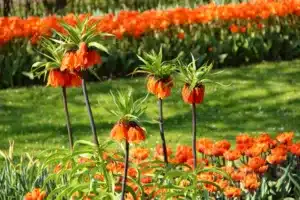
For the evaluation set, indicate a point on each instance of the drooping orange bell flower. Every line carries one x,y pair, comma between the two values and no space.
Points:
128,131
136,133
80,59
193,95
161,88
57,78
119,131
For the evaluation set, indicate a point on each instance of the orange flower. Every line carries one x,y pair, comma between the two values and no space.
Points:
203,144
243,29
57,78
195,95
83,160
80,59
183,153
136,133
119,131
222,183
254,151
93,59
69,62
160,152
275,159
57,168
234,28
256,163
223,144
181,35
232,155
36,194
285,138
228,169
160,88
295,149
129,131
140,153
99,177
146,179
231,192
265,138
237,175
251,182
152,84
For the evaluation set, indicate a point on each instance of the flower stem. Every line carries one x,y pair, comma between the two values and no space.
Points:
70,134
161,128
125,170
194,134
89,110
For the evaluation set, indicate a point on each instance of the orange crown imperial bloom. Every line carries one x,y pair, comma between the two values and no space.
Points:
161,87
195,95
81,59
131,132
57,78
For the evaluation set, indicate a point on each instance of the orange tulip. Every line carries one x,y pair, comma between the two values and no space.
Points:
251,182
140,153
232,155
232,192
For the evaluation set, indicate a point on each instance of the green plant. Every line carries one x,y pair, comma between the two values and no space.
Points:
19,176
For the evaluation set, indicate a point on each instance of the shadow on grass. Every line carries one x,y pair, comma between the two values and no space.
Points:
262,98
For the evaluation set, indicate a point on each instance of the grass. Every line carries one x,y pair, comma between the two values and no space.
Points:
262,98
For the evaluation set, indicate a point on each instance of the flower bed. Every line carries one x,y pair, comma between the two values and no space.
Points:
258,167
230,34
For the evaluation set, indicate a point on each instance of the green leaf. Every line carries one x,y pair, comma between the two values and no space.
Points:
98,46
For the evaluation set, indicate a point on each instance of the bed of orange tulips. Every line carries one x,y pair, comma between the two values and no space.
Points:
257,167
136,23
230,34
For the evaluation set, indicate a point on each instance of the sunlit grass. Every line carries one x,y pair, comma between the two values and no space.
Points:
261,98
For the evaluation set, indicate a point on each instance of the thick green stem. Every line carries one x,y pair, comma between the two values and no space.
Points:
89,110
125,170
194,132
162,133
70,134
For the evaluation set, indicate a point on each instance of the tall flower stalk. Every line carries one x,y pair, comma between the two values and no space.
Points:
82,43
57,78
68,121
159,83
128,127
193,90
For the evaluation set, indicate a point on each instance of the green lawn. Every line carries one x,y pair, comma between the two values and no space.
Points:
265,97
